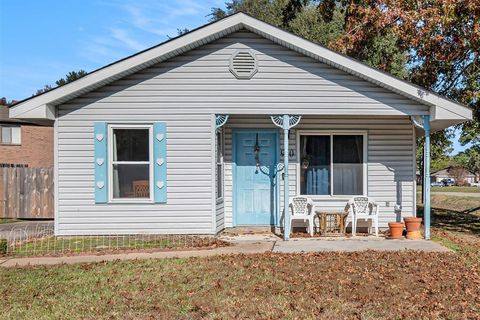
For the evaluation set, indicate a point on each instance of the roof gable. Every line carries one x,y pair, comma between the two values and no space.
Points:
444,112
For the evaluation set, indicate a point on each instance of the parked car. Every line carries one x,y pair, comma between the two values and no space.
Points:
448,182
437,184
475,184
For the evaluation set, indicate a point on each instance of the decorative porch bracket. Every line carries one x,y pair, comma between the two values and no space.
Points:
426,172
286,122
220,120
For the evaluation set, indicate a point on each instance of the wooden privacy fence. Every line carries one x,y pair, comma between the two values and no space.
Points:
26,193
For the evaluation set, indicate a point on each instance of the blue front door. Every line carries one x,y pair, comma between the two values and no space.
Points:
255,192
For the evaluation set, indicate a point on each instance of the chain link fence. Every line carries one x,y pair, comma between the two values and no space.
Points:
39,240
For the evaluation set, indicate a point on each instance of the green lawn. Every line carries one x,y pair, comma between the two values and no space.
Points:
452,189
5,220
453,203
367,285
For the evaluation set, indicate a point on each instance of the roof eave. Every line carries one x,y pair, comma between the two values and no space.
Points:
441,108
124,67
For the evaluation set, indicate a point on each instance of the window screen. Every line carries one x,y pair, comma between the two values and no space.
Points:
131,163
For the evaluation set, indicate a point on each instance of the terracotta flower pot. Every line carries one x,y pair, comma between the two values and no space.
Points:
396,230
413,227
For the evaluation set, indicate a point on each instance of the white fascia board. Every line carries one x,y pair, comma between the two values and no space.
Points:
43,111
359,69
443,113
25,110
219,29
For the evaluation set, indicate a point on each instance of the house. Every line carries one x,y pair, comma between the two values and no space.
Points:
449,173
204,131
25,143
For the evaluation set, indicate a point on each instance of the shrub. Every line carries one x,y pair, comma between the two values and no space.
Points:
3,247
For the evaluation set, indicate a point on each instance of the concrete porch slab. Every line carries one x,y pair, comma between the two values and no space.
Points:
355,244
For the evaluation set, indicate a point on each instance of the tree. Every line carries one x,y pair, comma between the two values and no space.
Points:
458,173
434,44
310,25
322,22
441,147
69,77
441,39
181,32
470,159
276,12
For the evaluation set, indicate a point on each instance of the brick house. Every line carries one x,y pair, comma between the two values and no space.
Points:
24,143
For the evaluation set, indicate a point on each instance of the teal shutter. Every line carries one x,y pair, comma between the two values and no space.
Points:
101,176
160,162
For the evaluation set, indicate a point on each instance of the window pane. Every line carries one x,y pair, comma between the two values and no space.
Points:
347,165
130,145
315,165
219,147
16,135
219,181
131,181
219,167
6,135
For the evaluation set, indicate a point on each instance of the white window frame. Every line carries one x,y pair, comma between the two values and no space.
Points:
332,133
11,126
220,132
111,127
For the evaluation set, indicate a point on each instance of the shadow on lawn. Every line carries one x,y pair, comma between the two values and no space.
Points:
451,220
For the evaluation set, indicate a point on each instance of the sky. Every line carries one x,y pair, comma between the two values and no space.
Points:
42,40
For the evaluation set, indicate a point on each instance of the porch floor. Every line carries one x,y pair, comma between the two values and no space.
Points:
339,244
356,244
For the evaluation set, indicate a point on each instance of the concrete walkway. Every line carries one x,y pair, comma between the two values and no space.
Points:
245,244
244,247
355,244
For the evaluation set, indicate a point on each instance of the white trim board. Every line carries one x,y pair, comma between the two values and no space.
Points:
444,112
110,162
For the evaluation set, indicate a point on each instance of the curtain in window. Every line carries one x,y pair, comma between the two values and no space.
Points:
347,165
315,166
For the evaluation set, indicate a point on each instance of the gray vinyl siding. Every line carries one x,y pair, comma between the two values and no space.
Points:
220,216
189,176
184,92
390,161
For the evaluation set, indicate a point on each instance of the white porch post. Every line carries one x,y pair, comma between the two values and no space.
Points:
286,200
286,122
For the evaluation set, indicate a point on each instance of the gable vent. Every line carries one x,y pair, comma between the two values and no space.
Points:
243,64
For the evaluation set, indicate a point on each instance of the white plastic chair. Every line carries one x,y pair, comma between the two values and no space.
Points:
363,208
302,209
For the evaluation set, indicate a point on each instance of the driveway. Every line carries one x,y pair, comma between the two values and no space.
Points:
22,230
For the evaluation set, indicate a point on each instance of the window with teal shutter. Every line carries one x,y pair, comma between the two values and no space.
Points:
101,178
160,162
130,171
